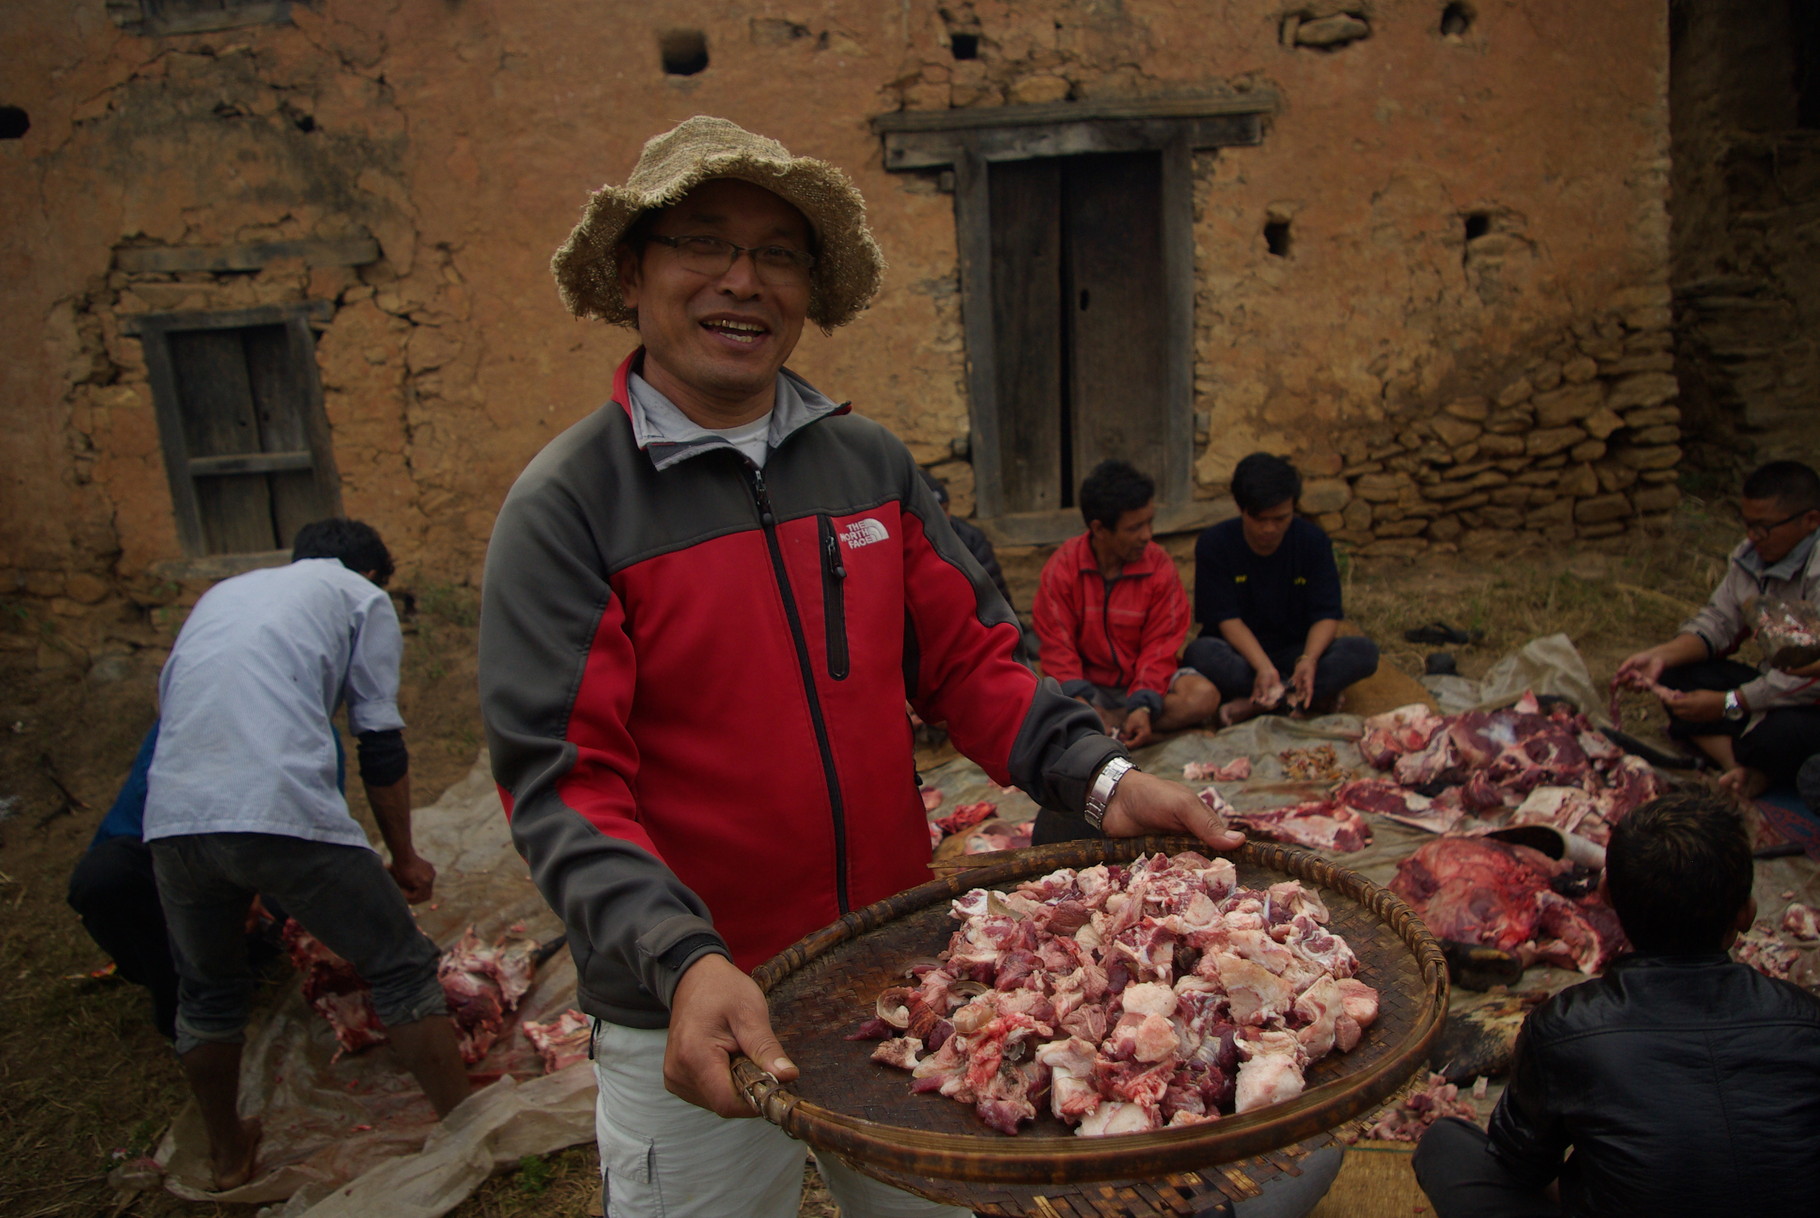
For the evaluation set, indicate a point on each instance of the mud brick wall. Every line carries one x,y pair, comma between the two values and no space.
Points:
1439,282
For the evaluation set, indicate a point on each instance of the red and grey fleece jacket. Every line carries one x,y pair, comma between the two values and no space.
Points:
693,676
1125,632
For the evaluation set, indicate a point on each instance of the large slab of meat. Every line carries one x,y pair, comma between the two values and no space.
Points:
483,983
1127,998
1325,824
1517,765
1483,891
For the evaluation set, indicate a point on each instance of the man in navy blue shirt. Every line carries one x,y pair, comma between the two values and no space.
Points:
1267,595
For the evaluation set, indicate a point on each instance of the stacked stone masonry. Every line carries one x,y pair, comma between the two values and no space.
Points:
1576,444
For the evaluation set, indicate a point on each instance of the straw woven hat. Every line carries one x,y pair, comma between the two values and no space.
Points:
848,264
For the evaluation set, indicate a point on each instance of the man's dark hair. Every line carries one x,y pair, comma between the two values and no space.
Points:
1679,870
1261,481
1790,483
357,545
1112,489
937,485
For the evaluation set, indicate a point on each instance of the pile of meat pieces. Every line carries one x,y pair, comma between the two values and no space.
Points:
1482,891
1518,764
1127,999
1410,1118
482,983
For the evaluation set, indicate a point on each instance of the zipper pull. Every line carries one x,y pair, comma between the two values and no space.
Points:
763,497
831,552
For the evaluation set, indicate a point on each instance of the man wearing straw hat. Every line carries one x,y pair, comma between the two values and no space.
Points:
706,606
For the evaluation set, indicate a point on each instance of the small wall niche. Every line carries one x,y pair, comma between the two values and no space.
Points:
964,46
1457,19
1478,223
685,52
14,123
1276,238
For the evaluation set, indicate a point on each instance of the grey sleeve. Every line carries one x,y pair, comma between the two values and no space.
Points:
550,645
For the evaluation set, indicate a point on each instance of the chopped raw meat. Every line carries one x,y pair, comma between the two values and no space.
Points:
1410,1119
1000,836
482,985
1138,996
966,816
1381,797
562,1041
1788,631
1802,921
1582,934
1236,770
1324,825
1491,761
1483,891
1407,729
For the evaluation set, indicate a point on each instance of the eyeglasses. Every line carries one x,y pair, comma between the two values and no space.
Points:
1758,528
776,265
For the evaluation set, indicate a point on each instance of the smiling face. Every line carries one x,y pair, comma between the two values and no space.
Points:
714,342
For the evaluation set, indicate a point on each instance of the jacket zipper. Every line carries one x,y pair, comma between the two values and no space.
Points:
768,520
1118,665
834,600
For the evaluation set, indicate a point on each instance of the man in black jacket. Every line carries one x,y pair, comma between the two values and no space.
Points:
1682,1082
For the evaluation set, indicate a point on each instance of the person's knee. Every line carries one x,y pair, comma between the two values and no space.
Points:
407,995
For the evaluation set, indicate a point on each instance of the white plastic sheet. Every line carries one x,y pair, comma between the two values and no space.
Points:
330,1124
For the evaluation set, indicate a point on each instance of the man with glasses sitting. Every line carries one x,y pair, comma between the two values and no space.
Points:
1758,725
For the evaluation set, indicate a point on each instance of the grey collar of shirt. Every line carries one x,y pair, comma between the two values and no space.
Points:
1791,565
668,436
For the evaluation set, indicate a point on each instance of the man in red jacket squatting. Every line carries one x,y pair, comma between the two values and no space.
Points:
1112,616
706,606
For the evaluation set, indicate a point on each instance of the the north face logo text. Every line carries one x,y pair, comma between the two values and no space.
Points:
863,533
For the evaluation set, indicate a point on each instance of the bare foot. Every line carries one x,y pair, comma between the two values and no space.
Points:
1744,783
236,1167
1237,711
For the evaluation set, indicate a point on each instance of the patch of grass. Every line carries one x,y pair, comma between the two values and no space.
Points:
565,1184
449,605
534,1175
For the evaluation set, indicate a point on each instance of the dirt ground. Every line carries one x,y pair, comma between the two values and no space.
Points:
85,1081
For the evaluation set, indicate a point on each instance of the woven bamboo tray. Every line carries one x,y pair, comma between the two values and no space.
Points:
821,988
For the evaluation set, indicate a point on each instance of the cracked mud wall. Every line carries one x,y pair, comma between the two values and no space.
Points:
1463,216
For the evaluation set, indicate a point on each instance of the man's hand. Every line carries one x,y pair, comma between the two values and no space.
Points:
1267,688
1144,803
1301,683
1696,706
415,877
1137,731
1643,669
717,1011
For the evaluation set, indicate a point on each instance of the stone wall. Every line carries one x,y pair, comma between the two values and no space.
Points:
1747,237
1439,282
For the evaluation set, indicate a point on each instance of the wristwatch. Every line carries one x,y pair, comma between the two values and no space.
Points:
1100,793
1734,709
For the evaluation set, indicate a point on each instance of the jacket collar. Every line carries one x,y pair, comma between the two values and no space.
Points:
667,436
1790,566
1146,563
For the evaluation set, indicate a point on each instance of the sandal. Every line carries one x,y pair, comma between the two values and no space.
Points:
1439,632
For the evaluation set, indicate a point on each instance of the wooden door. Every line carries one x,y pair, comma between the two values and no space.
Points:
1079,321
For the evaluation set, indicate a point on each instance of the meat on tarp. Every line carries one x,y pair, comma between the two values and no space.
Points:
483,983
1517,765
1479,890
